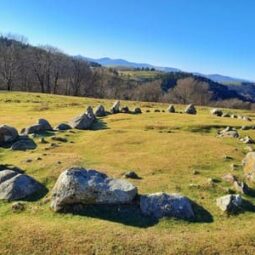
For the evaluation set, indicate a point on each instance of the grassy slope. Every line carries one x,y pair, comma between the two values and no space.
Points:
163,148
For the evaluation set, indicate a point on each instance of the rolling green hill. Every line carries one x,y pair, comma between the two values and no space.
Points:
164,149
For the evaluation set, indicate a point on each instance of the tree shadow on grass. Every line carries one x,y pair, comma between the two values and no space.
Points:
125,214
201,214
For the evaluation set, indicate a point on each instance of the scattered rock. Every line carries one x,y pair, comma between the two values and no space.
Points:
234,167
190,109
246,118
90,113
42,125
137,110
18,207
233,116
245,128
8,135
131,175
226,115
100,111
229,132
15,186
229,203
124,109
217,112
230,178
160,205
148,111
156,110
171,108
42,140
63,127
226,157
247,140
116,107
24,144
249,148
39,158
195,172
241,187
81,186
59,139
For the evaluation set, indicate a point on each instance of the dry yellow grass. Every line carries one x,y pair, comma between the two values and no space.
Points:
164,149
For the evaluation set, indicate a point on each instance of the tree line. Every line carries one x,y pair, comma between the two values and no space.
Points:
47,69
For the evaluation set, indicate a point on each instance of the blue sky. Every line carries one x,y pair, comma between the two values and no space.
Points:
209,36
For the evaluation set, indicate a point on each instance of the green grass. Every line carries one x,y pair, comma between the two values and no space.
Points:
164,149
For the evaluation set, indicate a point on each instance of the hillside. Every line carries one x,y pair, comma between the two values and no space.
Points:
175,153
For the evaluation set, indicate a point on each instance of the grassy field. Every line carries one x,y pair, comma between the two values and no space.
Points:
163,148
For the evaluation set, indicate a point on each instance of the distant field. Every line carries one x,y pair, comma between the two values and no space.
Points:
143,75
163,148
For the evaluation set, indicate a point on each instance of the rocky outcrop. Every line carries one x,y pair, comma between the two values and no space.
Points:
160,205
81,186
8,135
15,186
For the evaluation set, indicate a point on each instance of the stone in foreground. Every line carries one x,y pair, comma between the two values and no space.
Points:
16,186
229,203
160,205
190,109
24,144
82,122
8,134
90,187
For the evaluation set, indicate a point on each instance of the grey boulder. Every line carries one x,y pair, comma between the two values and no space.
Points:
190,109
42,125
81,186
229,132
23,144
8,134
63,127
100,111
171,108
217,112
229,203
115,107
82,122
137,110
160,205
15,186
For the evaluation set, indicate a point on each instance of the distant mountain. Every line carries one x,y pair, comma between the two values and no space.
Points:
124,63
109,62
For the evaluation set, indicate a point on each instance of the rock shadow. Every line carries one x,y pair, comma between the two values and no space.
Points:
37,195
99,124
125,214
201,214
11,167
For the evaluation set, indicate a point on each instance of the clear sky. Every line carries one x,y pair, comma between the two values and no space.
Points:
208,36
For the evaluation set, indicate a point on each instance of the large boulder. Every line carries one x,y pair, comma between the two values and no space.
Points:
115,107
8,135
15,186
217,112
160,205
23,144
82,122
81,186
249,166
124,109
171,108
90,113
190,109
229,203
100,111
137,110
247,140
